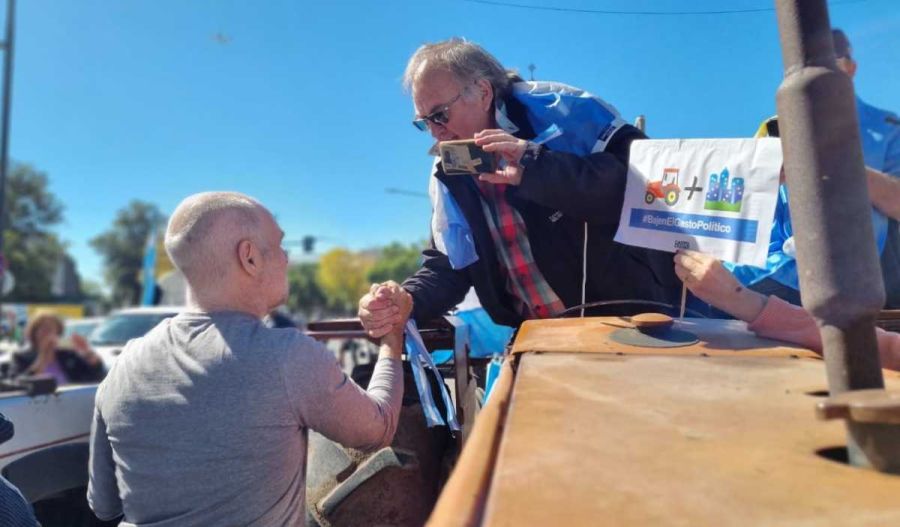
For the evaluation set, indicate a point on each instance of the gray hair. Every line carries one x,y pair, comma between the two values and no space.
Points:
205,229
466,61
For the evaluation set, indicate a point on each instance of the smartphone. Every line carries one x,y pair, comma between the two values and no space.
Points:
465,157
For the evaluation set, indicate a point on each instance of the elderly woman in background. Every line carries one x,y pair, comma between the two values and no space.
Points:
44,356
767,316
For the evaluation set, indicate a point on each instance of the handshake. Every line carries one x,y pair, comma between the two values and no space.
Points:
384,310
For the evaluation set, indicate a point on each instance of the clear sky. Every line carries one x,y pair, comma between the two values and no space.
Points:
300,104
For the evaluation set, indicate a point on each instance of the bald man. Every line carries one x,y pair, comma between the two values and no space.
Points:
204,420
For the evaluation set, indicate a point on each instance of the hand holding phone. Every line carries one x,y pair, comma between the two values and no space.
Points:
464,157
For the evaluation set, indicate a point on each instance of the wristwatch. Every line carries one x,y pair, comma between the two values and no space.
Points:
532,151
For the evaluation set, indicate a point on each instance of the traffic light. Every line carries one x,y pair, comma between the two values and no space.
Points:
308,243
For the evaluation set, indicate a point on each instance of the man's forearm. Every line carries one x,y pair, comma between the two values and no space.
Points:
884,191
391,346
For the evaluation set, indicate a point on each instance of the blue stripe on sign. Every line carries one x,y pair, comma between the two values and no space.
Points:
695,224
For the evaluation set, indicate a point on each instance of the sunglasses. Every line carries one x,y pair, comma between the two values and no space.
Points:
440,116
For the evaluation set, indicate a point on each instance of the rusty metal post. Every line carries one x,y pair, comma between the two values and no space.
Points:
840,277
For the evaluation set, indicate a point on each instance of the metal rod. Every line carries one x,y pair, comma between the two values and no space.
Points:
8,46
840,276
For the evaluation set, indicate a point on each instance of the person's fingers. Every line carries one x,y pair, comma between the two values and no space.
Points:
377,333
690,262
502,146
383,328
693,256
494,177
373,288
387,289
369,302
378,315
683,274
489,135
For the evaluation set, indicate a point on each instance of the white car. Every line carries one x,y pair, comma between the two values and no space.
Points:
118,328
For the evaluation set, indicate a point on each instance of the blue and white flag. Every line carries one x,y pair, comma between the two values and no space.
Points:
421,362
149,270
565,119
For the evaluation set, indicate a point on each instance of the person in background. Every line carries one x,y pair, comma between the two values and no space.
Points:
43,354
205,419
767,316
880,137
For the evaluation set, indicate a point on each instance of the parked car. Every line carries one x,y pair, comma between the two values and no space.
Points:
117,329
47,457
81,326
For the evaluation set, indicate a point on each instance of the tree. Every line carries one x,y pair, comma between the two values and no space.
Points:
122,249
342,276
305,296
396,262
33,253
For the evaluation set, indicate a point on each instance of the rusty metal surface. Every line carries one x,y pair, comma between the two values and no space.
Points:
589,335
837,261
673,440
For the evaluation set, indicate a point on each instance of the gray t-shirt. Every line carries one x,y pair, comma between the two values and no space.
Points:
204,422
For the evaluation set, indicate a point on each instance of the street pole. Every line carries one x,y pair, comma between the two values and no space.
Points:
8,47
840,276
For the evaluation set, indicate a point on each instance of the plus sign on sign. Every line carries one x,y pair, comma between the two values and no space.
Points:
717,196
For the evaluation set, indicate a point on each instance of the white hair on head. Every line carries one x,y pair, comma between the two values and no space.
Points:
204,232
466,61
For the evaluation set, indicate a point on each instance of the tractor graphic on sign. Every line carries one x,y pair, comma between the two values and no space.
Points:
666,189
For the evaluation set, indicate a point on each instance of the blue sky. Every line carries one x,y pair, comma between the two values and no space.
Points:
303,108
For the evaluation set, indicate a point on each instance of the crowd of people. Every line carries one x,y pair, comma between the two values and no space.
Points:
205,420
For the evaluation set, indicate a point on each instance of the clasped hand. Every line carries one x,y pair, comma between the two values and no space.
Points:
385,309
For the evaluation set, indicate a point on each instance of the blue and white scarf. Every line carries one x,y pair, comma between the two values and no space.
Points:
569,119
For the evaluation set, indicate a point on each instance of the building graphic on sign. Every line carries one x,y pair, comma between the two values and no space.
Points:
724,194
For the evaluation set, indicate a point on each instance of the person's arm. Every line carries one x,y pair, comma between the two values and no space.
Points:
589,187
436,287
326,400
769,317
103,491
784,321
708,279
884,191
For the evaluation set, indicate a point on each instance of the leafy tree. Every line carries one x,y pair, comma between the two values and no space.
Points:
342,276
305,296
122,248
95,298
396,262
32,252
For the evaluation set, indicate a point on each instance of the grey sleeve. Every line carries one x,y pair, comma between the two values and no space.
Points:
326,400
103,492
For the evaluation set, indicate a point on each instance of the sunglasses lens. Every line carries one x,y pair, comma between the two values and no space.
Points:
421,124
440,117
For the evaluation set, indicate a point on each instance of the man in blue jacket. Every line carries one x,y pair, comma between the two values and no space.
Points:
880,137
536,236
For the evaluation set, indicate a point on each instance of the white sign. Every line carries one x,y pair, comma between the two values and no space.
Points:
716,196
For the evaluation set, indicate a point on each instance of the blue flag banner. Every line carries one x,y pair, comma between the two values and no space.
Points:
149,270
421,363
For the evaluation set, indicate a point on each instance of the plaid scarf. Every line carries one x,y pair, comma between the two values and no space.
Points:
533,295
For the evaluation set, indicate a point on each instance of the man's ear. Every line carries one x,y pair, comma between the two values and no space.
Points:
486,94
249,257
851,68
